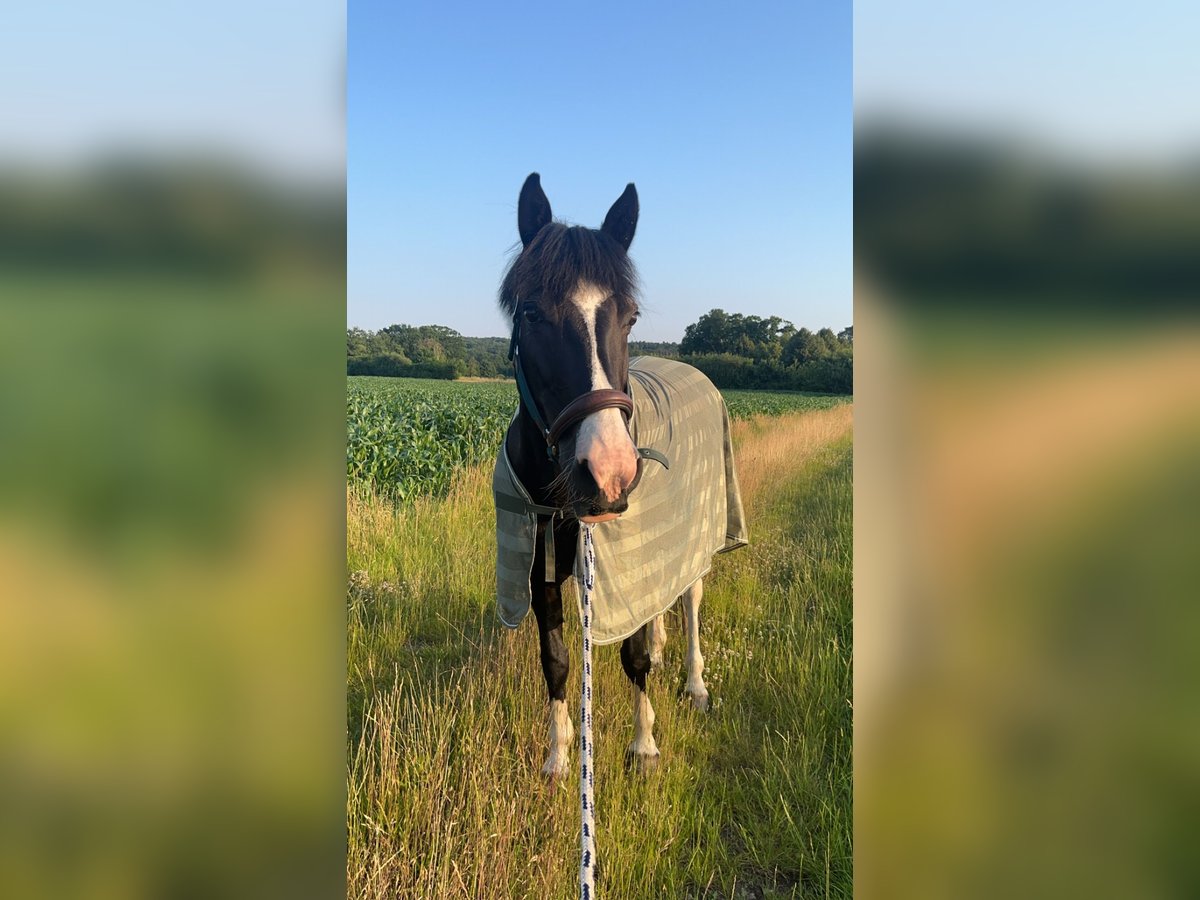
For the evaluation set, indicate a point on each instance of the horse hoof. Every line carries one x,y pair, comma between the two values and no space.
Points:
700,701
554,769
656,660
642,763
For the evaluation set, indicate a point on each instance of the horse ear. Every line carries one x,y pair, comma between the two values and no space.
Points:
533,209
621,221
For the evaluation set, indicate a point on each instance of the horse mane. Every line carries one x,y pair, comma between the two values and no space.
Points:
559,257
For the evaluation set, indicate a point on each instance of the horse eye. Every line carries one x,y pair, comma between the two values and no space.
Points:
533,315
632,321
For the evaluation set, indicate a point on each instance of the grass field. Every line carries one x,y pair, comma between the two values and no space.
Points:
447,709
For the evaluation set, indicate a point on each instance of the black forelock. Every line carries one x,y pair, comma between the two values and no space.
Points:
561,256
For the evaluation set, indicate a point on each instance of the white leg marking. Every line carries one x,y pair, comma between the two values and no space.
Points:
562,734
603,438
658,640
643,749
695,659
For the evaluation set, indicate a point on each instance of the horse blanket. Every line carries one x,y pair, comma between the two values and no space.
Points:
678,518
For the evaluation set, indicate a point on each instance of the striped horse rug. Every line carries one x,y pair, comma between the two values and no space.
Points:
678,518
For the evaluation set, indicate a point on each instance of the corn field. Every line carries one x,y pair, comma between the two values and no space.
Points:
406,437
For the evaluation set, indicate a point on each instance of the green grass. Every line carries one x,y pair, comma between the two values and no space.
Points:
447,715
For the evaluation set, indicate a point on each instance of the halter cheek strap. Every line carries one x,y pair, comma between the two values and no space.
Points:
527,398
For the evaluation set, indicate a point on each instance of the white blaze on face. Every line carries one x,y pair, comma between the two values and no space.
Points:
603,438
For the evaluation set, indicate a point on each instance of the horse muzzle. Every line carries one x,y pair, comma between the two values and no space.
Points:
598,509
592,511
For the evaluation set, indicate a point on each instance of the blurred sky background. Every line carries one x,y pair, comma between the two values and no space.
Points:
1097,82
734,122
257,82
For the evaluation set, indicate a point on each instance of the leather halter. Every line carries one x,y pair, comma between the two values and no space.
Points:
577,410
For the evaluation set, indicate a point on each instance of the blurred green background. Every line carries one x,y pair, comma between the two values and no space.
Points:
172,297
172,427
171,531
1027,491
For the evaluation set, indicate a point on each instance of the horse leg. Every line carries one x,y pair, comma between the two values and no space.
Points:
635,659
658,640
548,608
695,659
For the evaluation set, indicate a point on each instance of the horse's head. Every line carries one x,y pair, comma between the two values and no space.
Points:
572,296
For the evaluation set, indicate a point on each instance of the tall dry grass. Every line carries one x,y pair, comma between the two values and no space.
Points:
447,710
768,446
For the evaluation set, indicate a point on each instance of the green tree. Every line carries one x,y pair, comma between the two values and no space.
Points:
709,334
358,343
803,347
829,341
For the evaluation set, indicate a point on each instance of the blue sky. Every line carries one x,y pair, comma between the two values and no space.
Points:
733,120
1103,81
257,82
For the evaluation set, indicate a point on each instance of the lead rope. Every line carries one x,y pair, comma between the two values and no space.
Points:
587,837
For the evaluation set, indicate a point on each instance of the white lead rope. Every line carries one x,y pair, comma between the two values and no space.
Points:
587,837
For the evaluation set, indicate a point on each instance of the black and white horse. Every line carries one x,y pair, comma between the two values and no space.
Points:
571,294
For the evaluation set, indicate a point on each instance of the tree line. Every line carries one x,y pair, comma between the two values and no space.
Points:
734,350
425,351
737,351
952,223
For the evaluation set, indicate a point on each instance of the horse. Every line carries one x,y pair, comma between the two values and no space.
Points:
569,457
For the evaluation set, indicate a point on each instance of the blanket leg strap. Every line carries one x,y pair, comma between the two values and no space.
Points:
550,564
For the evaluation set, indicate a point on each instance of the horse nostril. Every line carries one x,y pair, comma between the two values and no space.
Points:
583,467
607,473
582,479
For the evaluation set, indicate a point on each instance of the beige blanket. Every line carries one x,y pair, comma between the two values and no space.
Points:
678,518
